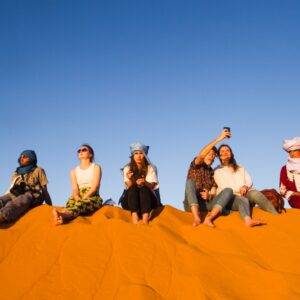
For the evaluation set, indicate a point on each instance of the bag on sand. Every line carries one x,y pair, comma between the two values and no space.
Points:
276,199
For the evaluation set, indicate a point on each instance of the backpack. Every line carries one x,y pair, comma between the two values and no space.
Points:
275,198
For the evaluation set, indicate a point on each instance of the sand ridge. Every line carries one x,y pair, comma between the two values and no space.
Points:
104,256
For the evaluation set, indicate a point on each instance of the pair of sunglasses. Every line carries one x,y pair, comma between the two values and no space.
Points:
82,150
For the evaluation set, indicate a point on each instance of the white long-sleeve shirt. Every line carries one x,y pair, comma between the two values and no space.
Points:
151,176
226,177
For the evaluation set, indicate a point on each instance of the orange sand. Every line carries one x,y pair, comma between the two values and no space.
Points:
106,257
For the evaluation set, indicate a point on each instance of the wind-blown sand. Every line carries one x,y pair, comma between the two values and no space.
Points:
106,257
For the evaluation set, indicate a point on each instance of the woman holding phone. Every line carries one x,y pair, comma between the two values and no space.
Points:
200,187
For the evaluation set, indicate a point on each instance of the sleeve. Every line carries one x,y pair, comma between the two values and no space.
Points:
248,179
284,191
125,171
216,177
12,181
193,165
283,177
42,177
289,194
283,182
13,178
151,175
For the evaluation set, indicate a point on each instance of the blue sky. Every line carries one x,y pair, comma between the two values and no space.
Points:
170,74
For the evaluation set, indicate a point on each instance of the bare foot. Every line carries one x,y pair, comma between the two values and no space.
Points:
135,218
255,222
146,218
196,222
145,221
57,217
209,222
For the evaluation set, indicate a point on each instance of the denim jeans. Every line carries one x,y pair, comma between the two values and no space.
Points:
191,198
256,197
240,204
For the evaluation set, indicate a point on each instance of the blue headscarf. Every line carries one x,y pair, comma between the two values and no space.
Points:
32,162
140,147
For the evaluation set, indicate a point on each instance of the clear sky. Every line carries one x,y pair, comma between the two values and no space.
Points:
170,74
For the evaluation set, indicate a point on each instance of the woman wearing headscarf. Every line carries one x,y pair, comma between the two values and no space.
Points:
141,182
85,181
290,173
28,188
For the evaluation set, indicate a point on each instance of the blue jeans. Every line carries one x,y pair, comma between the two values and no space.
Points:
240,204
256,197
191,198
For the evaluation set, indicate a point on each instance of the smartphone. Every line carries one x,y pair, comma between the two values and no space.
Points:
227,129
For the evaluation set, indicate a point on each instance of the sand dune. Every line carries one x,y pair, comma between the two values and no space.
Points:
106,257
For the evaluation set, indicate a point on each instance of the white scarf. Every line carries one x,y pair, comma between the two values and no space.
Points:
293,165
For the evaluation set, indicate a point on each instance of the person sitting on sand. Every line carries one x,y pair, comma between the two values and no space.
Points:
85,181
28,188
290,173
140,179
200,188
230,174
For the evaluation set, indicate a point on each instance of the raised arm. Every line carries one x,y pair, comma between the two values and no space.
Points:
205,150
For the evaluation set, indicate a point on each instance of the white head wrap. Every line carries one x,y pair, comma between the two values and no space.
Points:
293,144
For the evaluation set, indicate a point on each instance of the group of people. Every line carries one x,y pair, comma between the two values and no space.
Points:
208,191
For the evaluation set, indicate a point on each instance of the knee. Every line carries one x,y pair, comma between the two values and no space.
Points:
228,192
242,200
132,190
253,193
144,190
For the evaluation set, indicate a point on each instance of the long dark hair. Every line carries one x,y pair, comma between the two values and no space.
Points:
91,151
138,173
232,161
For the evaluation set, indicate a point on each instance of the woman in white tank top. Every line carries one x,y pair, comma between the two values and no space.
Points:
85,181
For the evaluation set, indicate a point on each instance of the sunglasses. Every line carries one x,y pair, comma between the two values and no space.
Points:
82,150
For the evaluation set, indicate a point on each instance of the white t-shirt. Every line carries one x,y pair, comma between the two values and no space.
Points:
226,177
151,176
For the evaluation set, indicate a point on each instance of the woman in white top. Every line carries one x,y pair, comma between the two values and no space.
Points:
140,179
85,181
231,175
